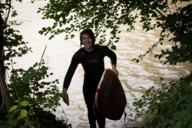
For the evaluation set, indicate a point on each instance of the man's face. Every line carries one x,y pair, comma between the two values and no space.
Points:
87,41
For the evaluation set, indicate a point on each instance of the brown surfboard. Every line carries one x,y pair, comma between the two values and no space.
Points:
110,96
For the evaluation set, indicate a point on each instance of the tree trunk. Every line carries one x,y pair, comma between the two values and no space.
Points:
6,100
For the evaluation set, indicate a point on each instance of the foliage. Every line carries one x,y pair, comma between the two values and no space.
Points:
178,25
18,110
77,15
169,106
33,96
12,42
34,87
11,45
71,15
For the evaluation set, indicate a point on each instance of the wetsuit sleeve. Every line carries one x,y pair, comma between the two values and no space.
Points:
70,72
111,55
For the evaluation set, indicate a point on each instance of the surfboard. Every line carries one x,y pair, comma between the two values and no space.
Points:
110,98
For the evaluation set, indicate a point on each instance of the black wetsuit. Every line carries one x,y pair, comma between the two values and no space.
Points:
93,64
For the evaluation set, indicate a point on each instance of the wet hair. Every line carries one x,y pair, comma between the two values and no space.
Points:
88,32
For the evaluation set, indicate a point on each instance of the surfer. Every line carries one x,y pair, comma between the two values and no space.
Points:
91,57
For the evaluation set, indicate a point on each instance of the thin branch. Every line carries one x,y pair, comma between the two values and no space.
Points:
40,66
157,10
42,56
8,12
2,99
168,7
176,7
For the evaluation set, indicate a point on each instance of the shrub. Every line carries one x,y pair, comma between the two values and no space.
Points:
35,98
168,106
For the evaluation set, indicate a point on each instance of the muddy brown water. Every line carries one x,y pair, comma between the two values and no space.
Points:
135,77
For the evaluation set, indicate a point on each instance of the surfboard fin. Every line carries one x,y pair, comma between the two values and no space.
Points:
125,115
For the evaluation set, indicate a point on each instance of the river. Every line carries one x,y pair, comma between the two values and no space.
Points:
135,77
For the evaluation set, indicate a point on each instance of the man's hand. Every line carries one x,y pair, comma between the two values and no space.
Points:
65,96
114,70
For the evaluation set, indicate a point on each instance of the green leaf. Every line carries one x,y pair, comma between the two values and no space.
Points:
113,47
23,113
13,108
16,101
72,36
24,103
